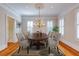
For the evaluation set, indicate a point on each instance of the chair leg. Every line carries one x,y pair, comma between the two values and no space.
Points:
49,50
19,49
22,47
27,50
46,43
58,50
30,44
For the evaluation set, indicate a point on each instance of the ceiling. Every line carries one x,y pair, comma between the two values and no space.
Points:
51,9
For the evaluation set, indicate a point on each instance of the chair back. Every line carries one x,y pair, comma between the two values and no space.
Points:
20,36
50,34
26,34
21,40
54,40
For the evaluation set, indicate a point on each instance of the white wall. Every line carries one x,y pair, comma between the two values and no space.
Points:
3,40
44,18
3,27
70,37
70,25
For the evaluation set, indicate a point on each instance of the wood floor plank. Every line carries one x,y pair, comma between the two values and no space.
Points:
10,49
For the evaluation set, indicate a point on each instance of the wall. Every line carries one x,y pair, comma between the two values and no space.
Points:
3,40
4,13
70,25
44,18
70,37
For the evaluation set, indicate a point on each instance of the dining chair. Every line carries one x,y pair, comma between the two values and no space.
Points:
25,35
43,44
53,42
22,42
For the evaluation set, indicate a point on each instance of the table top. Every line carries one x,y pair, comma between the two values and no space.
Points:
38,36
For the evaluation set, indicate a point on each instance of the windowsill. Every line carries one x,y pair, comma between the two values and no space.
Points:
74,44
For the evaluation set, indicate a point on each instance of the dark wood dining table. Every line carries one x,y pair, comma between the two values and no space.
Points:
37,38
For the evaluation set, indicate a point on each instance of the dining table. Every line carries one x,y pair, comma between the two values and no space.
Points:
37,38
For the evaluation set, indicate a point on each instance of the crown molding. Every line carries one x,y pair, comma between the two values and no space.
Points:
9,9
65,12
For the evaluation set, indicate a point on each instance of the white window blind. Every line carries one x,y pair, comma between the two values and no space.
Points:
77,25
29,26
61,26
49,26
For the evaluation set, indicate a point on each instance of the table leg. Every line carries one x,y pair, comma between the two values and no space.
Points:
38,45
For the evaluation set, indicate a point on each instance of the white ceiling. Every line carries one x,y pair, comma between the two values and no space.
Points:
30,9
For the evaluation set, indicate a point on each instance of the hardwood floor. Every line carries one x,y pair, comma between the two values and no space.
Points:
12,47
67,50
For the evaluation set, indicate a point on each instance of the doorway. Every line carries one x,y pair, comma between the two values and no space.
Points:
10,29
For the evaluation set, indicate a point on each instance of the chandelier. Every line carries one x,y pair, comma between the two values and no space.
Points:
39,22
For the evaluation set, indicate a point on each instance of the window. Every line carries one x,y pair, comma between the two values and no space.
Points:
61,26
29,26
49,26
77,25
18,29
